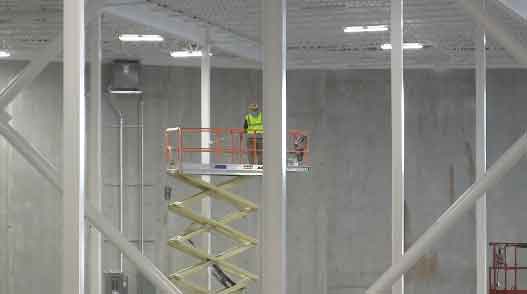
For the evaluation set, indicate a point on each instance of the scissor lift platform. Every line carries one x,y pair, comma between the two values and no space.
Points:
228,169
233,154
507,271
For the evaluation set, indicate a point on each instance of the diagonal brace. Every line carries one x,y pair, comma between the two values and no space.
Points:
40,61
31,154
30,72
46,169
448,219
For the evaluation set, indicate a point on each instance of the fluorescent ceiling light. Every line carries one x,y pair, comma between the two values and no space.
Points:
140,38
126,91
4,53
187,53
361,29
406,46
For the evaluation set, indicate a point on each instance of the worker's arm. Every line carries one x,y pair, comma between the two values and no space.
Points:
245,125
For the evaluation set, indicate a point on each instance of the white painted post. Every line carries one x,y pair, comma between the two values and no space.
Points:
94,181
74,148
206,204
273,255
481,158
397,104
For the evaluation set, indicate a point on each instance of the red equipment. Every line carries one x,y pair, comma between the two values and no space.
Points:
504,274
227,145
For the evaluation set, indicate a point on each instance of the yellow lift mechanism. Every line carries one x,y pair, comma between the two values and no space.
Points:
202,225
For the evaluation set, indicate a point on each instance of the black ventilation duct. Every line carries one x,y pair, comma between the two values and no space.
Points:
126,77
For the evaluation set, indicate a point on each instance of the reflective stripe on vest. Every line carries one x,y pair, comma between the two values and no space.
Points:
254,123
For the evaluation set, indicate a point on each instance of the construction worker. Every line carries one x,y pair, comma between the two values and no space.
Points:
253,126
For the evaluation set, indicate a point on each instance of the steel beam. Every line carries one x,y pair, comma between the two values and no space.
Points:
206,203
453,214
94,10
397,108
74,152
273,253
48,171
39,61
518,6
481,158
30,153
496,30
30,72
181,27
94,180
143,264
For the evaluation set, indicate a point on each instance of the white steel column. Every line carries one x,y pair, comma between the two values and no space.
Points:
397,104
481,158
94,180
274,205
206,204
74,148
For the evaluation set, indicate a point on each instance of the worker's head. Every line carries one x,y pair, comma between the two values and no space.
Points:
253,107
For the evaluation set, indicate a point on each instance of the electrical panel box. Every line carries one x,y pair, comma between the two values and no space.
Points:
115,283
126,75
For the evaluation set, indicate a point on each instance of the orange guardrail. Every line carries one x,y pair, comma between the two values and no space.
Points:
507,272
229,145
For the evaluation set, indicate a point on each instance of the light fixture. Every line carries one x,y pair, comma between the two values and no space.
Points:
4,53
361,29
406,46
187,53
126,92
140,38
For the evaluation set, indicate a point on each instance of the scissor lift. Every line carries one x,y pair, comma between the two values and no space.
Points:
229,151
505,272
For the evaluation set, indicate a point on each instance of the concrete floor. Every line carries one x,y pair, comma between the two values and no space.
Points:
339,215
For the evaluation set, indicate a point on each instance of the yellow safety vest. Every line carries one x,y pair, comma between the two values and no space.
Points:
254,123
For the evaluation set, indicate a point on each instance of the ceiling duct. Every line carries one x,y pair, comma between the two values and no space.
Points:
126,77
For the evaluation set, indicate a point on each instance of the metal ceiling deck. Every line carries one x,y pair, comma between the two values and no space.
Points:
315,35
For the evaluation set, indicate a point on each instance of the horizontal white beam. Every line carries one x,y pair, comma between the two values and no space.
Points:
180,27
448,219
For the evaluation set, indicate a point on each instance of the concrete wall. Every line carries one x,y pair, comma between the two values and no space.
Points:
339,215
